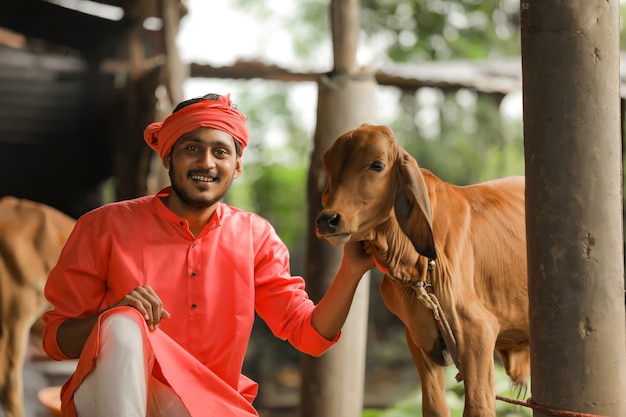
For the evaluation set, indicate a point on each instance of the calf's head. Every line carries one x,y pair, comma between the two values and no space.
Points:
374,184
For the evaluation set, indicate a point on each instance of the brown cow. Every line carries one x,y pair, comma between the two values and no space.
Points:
473,235
31,238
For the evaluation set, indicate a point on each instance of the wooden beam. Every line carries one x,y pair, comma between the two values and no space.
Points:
458,75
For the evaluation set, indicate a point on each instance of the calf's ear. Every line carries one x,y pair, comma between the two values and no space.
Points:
412,206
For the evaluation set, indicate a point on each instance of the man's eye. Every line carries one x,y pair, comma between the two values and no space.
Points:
192,148
377,166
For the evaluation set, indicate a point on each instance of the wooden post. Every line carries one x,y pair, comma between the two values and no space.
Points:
333,383
570,61
176,71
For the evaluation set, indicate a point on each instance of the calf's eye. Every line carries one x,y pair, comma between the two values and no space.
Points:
377,166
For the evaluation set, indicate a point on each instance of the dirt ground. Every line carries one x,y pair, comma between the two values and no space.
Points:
383,386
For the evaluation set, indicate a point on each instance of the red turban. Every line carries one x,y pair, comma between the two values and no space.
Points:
218,114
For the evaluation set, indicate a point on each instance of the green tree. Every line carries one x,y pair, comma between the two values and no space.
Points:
461,135
439,29
273,183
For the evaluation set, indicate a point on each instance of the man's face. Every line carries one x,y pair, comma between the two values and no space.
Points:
202,166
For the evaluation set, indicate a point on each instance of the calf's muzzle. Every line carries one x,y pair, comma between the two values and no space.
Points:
326,223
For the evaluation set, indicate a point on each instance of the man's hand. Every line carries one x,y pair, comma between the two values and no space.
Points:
148,303
73,333
357,258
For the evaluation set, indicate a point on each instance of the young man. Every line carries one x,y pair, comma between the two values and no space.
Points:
157,295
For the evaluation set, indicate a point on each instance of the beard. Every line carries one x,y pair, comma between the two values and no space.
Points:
197,203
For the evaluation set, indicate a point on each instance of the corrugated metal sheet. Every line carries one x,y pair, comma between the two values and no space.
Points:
53,146
40,96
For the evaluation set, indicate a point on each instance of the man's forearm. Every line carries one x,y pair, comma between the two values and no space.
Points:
73,333
331,312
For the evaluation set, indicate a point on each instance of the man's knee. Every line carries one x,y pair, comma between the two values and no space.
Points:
122,330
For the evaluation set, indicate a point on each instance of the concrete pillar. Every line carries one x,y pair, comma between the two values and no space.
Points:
332,385
570,61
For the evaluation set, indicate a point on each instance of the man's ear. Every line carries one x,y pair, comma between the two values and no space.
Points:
167,161
238,168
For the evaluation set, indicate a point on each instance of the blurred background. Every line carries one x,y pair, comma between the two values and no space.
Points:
79,81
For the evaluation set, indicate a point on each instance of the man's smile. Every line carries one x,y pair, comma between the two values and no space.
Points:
203,178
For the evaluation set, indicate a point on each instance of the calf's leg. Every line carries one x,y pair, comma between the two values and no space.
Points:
14,341
476,333
17,319
432,380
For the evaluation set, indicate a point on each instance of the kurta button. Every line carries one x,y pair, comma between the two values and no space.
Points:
193,306
193,245
193,274
182,223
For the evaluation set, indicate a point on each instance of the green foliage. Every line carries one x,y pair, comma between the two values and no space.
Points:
273,182
280,195
460,136
409,30
307,22
444,29
622,31
277,193
277,133
412,405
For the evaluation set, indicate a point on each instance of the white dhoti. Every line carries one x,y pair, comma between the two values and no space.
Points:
121,383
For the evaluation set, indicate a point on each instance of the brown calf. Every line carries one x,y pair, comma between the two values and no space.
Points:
31,238
475,234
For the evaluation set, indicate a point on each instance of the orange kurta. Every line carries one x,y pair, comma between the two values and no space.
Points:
210,284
